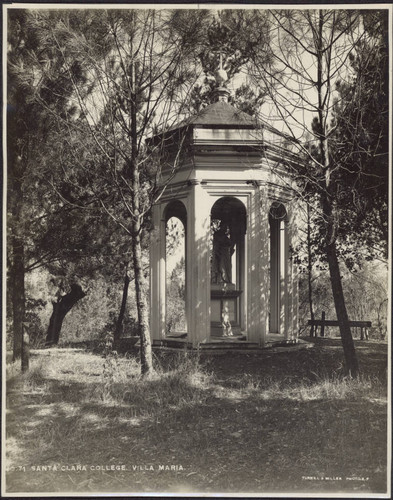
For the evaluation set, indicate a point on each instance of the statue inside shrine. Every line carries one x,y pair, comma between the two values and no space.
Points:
226,324
223,249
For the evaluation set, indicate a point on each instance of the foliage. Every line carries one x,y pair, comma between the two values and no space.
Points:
353,129
359,143
132,79
32,133
94,317
27,127
89,320
176,299
43,229
232,37
175,276
366,293
106,80
312,51
34,325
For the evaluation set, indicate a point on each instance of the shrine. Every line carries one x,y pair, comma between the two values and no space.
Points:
226,180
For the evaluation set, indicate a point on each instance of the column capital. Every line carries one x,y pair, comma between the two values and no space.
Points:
256,183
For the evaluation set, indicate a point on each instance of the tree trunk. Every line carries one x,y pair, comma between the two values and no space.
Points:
17,270
330,215
143,317
120,319
18,294
351,362
60,309
140,286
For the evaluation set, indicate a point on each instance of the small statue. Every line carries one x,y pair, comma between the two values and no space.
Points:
221,75
223,249
226,324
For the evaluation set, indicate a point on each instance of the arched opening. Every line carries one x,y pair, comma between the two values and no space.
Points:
175,269
227,234
278,264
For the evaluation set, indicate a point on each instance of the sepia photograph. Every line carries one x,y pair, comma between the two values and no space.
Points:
196,286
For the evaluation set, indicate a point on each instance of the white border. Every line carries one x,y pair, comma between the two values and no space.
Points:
6,7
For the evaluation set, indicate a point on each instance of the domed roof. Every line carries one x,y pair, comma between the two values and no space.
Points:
222,115
219,114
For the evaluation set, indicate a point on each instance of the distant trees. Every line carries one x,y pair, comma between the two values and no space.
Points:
176,299
365,291
175,276
305,257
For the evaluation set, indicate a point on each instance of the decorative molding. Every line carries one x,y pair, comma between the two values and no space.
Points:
177,191
279,193
229,190
226,161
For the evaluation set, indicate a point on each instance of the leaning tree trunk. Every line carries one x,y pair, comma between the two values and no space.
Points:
120,319
351,362
330,216
60,309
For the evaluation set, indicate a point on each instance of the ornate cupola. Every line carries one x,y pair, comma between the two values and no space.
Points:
225,179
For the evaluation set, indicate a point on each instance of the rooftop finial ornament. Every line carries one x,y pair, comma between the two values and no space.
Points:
221,77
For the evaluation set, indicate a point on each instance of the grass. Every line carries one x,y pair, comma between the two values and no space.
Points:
235,423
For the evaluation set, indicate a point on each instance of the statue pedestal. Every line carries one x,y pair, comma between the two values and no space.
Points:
224,299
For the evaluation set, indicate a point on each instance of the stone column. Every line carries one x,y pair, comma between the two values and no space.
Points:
285,291
264,284
258,266
157,275
293,275
274,275
198,265
242,272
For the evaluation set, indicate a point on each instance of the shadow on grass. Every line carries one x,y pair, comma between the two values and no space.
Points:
260,435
